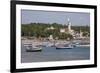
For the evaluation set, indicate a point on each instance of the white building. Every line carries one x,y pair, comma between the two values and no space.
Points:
51,28
70,30
67,30
62,30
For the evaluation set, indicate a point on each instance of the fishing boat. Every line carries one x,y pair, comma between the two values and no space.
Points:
31,48
65,46
82,45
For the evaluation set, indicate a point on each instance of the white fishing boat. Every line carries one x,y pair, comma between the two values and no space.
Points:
31,48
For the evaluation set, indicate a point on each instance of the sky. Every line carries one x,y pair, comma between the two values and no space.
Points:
36,16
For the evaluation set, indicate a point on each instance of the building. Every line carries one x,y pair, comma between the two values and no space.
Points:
50,28
69,30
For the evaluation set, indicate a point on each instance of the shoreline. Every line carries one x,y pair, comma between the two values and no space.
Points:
35,42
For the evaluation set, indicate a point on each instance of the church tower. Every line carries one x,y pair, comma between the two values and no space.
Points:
69,25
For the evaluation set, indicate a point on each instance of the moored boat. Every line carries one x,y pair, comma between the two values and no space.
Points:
82,45
31,48
66,46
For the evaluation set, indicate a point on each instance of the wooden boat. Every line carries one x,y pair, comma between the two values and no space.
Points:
30,48
66,46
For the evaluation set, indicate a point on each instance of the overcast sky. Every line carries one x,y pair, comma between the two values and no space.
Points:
33,16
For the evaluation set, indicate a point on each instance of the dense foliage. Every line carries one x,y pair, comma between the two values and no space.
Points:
40,30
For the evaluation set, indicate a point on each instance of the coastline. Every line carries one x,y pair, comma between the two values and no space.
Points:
34,42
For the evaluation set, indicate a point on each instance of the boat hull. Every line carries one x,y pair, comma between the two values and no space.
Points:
64,47
82,45
33,50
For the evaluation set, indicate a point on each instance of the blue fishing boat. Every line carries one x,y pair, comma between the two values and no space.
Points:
65,46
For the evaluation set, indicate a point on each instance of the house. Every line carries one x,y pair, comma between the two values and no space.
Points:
50,28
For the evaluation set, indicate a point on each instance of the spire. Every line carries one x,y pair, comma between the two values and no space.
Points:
68,20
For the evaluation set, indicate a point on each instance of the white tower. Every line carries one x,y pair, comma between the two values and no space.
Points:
69,25
81,34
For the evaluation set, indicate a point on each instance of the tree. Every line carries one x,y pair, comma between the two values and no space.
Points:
86,34
65,36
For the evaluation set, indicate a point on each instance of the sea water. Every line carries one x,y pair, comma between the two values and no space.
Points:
53,54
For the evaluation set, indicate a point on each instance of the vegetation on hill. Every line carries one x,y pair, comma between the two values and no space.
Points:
40,30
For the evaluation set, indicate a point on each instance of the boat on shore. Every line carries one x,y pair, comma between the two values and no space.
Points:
31,48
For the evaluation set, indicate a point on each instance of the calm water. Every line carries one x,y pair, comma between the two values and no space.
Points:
52,54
